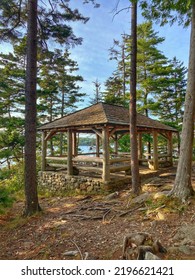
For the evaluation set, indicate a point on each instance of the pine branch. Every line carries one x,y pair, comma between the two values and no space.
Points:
43,41
121,10
9,32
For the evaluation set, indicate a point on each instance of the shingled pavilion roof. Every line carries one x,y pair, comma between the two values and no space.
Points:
102,114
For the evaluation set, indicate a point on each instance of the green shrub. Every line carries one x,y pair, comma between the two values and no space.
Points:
5,173
6,199
12,183
15,179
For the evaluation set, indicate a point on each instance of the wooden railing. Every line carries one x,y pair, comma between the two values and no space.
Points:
121,163
90,163
52,161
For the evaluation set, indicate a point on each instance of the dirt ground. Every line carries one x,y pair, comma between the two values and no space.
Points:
94,226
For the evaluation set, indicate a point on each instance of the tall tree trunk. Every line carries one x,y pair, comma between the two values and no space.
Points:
136,185
124,71
30,112
183,187
50,120
62,114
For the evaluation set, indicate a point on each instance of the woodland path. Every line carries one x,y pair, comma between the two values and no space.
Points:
94,226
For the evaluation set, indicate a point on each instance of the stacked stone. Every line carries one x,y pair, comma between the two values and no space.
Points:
61,182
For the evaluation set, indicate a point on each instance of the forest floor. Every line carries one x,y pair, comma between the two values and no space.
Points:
94,226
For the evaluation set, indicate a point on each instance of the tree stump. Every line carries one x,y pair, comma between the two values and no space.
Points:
136,245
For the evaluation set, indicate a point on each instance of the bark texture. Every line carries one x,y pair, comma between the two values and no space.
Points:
136,185
183,187
30,112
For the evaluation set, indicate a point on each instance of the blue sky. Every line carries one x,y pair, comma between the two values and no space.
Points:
98,34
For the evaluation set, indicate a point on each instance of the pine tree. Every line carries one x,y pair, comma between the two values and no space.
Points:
98,94
113,92
151,68
116,86
12,77
182,12
43,23
151,65
171,99
65,71
59,90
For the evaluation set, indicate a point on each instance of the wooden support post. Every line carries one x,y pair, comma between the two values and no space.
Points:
69,160
97,145
170,148
155,150
106,155
44,151
61,144
140,152
74,143
116,144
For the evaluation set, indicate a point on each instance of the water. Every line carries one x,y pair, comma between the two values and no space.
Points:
87,149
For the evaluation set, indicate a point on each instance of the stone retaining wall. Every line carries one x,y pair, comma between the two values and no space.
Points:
61,182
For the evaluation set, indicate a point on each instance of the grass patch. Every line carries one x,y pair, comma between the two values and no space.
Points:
168,204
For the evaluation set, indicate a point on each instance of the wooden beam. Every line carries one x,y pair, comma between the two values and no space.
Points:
120,168
96,131
57,158
121,159
106,155
112,131
69,160
90,168
155,150
165,134
50,134
87,159
58,165
44,151
126,133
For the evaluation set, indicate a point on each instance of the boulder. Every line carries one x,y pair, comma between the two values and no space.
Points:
141,198
150,256
185,235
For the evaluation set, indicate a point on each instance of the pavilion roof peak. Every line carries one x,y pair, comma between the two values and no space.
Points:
101,114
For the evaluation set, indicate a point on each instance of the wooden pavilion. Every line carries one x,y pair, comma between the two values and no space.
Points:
106,122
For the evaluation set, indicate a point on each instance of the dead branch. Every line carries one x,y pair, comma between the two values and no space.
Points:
129,211
77,249
51,5
91,208
98,209
112,218
85,217
84,198
104,216
86,255
118,12
116,7
70,212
